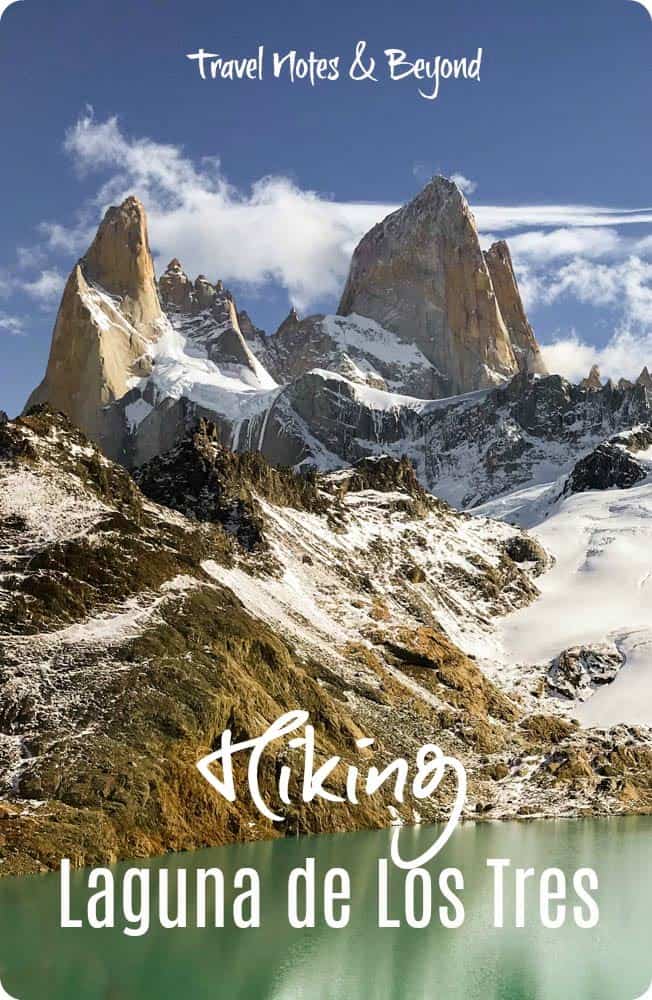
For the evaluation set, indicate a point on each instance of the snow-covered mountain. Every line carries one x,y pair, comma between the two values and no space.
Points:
285,537
424,315
139,621
135,364
597,599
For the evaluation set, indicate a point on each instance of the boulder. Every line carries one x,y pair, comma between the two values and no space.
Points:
577,672
608,466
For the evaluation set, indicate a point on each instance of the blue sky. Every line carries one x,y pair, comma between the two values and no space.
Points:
269,184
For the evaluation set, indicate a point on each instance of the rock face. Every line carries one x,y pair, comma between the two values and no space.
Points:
503,278
607,467
212,321
577,672
204,480
108,319
352,346
120,261
645,379
421,274
467,450
326,391
593,381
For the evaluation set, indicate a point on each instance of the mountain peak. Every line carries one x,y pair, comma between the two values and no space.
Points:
421,274
120,261
593,381
174,266
503,278
291,322
645,379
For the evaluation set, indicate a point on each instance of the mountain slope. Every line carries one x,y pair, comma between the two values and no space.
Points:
132,634
597,523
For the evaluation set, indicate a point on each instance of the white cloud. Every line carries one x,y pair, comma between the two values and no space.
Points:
466,186
275,232
627,284
30,258
278,232
505,218
625,356
543,247
66,240
13,325
46,288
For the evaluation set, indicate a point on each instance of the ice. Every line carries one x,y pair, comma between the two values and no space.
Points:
599,589
182,369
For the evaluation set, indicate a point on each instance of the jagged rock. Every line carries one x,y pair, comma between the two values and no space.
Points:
120,262
577,672
607,467
384,474
465,451
290,324
353,346
257,340
108,318
525,549
639,439
415,574
503,279
624,384
593,381
204,480
93,356
421,274
176,288
212,317
645,379
138,397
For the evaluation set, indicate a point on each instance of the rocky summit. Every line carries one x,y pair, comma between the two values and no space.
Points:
431,355
421,273
109,317
424,315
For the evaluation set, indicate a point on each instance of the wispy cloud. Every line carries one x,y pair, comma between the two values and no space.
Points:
13,325
506,218
46,288
466,186
276,232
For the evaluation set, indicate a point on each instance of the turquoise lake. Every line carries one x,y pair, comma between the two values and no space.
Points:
613,961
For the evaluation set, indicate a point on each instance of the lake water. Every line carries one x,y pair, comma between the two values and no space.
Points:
612,962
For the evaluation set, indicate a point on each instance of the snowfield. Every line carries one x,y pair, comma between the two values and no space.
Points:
599,590
316,599
182,369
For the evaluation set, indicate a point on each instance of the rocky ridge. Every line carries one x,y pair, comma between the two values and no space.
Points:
135,364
